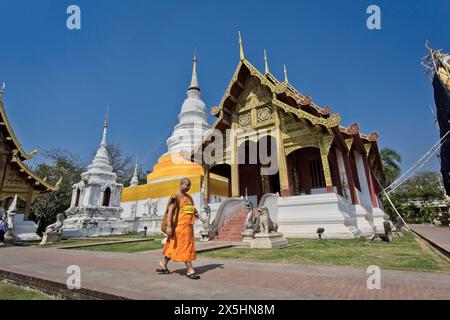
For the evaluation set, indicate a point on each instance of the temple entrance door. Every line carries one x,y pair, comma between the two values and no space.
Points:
250,177
306,171
250,180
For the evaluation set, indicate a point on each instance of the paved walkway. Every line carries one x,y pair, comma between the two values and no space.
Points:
439,236
133,276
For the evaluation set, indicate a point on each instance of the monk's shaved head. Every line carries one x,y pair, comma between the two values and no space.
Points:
185,185
185,181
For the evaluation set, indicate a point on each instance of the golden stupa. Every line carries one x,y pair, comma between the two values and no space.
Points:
164,180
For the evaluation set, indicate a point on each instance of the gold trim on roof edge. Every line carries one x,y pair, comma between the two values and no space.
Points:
23,154
28,171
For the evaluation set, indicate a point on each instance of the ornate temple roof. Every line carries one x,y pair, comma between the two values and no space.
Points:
18,153
9,132
288,98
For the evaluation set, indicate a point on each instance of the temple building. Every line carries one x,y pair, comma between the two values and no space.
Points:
326,172
95,207
144,205
16,179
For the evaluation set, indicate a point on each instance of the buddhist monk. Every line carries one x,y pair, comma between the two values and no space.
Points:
180,245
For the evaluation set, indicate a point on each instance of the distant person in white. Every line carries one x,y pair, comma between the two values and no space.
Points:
3,228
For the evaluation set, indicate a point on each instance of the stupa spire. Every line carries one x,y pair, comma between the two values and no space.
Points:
135,180
100,168
193,118
105,127
266,62
194,80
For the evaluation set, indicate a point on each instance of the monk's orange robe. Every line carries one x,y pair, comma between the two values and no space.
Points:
181,247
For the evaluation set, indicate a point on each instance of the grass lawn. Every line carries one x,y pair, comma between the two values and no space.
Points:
404,253
10,291
127,247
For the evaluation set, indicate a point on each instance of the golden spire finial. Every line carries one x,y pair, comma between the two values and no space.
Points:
285,75
241,47
266,63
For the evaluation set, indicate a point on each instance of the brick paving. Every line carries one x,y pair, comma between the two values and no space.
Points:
438,236
132,276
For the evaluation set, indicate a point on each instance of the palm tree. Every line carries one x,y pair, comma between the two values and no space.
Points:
391,166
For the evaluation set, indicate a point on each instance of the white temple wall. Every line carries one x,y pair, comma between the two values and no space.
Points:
301,216
139,212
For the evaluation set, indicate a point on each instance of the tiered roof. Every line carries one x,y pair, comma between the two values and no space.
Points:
292,101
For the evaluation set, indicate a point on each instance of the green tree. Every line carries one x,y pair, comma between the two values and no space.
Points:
417,198
391,166
59,163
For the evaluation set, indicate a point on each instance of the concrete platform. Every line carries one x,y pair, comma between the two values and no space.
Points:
133,276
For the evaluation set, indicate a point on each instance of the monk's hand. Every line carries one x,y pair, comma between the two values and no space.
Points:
169,231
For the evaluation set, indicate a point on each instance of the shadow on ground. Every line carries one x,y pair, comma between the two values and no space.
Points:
200,269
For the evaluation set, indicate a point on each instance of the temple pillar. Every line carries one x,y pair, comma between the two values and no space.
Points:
365,196
28,205
207,185
350,178
282,164
343,174
325,145
373,195
234,162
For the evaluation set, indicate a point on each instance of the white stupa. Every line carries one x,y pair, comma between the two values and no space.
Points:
95,207
193,118
144,205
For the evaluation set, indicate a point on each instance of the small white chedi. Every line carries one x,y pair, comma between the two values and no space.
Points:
95,207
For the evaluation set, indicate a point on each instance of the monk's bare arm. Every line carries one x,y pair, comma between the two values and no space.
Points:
170,214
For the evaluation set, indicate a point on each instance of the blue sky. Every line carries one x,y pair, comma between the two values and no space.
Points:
136,57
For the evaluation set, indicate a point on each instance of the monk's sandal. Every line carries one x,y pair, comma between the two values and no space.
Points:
163,271
193,276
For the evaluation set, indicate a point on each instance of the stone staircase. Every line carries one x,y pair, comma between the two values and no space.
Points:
231,232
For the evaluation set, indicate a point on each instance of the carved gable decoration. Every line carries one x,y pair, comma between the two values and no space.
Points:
254,95
245,119
264,113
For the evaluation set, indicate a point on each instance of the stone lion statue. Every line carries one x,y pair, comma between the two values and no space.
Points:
249,220
265,222
207,233
57,226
